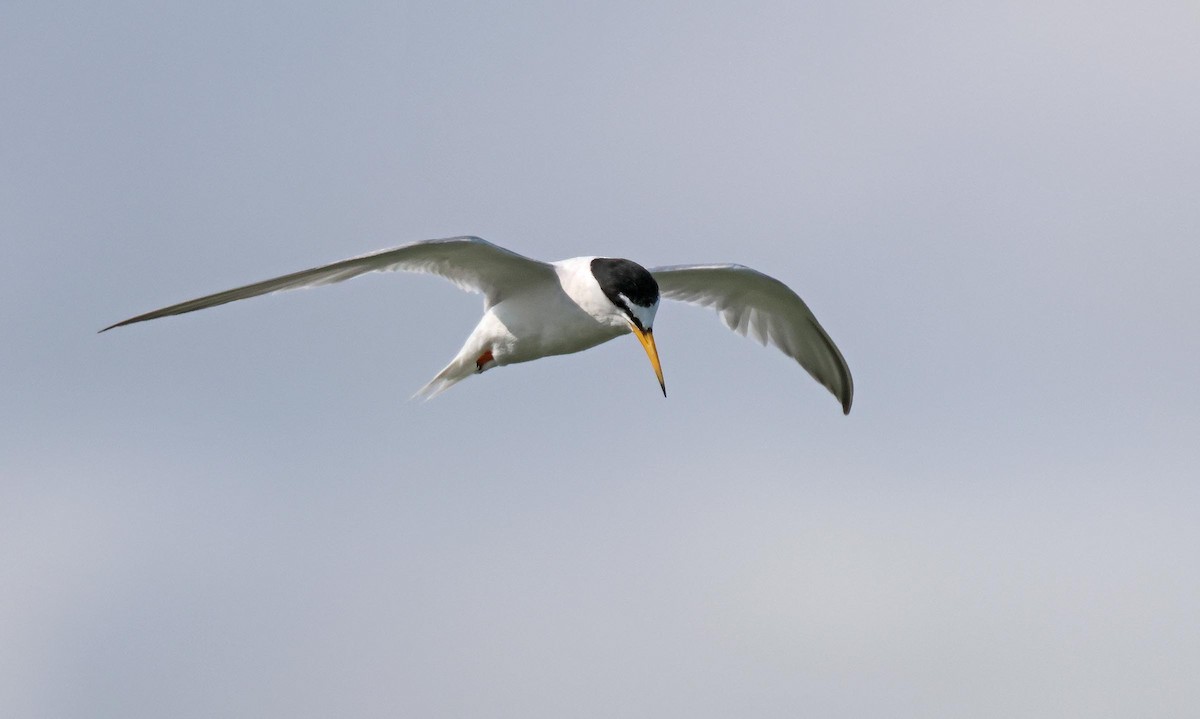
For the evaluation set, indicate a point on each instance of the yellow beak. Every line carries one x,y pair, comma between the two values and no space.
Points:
647,340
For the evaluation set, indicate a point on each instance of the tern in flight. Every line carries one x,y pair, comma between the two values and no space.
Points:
536,309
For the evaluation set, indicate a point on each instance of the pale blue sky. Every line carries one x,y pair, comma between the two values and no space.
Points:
992,207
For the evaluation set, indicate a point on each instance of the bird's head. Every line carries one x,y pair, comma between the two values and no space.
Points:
633,294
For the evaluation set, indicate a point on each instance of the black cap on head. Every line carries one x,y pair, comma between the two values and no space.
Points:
619,277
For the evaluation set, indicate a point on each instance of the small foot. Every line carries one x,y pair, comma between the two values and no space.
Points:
483,360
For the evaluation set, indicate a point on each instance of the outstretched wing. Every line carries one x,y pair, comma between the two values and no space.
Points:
473,264
755,304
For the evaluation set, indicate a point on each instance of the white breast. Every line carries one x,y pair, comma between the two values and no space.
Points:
552,319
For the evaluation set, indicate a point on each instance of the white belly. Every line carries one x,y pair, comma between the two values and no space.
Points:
547,323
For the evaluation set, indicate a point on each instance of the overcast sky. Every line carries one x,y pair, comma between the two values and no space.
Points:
991,207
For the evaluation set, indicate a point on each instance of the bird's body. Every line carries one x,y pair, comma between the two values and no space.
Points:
554,315
536,309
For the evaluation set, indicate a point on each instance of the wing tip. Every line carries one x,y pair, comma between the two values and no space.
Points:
132,320
846,396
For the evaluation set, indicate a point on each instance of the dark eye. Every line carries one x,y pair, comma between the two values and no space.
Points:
619,277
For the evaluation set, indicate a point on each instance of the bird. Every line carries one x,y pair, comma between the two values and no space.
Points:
535,309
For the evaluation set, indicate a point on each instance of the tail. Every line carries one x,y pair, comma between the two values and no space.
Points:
452,374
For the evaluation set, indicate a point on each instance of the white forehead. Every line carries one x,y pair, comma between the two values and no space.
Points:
645,315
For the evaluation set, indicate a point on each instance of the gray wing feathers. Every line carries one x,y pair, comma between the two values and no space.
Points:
759,306
471,263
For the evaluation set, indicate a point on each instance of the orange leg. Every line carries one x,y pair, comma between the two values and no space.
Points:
483,360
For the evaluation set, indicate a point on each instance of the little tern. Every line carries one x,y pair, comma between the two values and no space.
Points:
535,309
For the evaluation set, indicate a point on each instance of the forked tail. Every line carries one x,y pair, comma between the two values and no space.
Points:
452,374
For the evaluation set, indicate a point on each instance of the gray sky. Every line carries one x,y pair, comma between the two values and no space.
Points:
992,207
